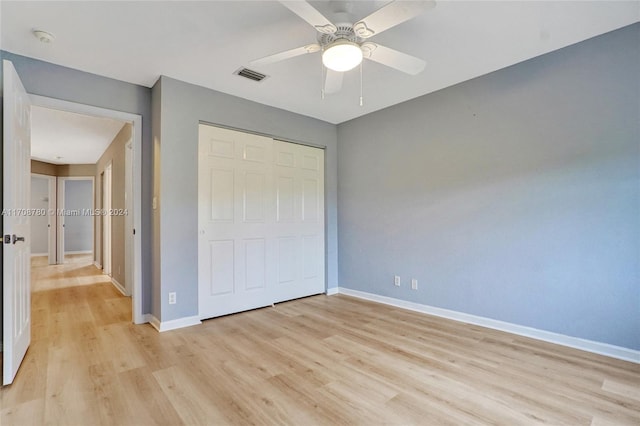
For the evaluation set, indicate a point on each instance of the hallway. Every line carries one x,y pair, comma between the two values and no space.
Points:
78,270
77,315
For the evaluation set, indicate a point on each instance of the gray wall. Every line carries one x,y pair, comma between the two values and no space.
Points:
78,229
513,196
46,79
39,228
182,106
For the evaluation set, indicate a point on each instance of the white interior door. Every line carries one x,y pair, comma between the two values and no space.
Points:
234,218
299,225
16,224
261,221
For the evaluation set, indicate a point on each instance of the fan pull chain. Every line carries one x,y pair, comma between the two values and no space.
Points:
361,102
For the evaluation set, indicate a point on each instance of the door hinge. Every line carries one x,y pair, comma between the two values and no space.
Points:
7,239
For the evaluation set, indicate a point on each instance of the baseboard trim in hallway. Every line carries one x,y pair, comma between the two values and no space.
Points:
162,326
119,286
599,348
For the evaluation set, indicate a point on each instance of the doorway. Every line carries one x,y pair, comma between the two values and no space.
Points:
75,204
43,225
103,215
18,108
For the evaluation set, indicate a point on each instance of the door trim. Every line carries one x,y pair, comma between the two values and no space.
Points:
267,135
105,219
128,240
51,216
136,121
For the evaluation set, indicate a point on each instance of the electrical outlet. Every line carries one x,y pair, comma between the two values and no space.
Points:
172,298
396,281
414,284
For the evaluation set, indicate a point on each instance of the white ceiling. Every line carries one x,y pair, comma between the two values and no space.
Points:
76,138
205,42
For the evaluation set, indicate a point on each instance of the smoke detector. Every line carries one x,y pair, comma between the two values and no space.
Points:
43,36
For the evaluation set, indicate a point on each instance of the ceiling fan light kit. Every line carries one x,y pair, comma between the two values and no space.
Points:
344,44
342,55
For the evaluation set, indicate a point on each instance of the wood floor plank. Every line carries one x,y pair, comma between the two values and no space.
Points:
192,404
106,387
25,413
627,390
147,403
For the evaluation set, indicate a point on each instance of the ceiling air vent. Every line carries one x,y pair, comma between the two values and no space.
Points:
250,74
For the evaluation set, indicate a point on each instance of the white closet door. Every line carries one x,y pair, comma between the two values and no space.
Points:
299,227
257,244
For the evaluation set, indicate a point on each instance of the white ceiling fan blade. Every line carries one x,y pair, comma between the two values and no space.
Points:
332,81
390,15
311,15
287,54
392,58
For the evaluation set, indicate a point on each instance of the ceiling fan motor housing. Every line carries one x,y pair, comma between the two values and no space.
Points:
344,32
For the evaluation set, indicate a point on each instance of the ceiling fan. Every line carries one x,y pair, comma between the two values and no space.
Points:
345,44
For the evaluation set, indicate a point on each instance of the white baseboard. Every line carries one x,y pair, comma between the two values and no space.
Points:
155,322
332,291
146,318
606,349
97,265
39,254
173,324
119,286
79,252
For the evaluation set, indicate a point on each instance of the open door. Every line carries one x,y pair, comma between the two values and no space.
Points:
16,224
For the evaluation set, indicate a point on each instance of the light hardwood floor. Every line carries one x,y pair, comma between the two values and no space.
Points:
77,270
319,360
